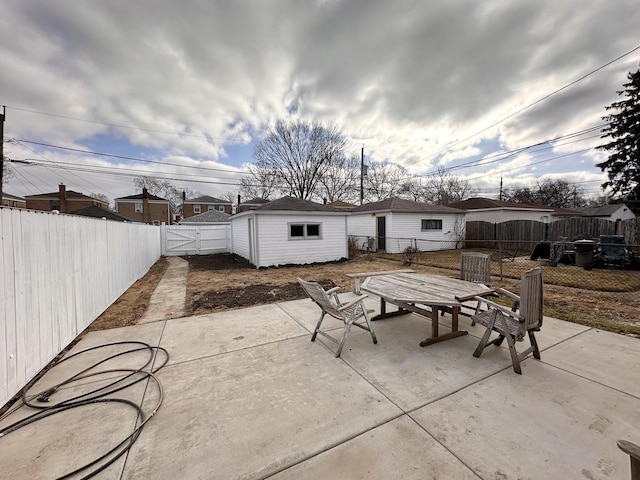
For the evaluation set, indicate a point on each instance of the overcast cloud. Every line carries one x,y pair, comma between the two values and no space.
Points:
199,80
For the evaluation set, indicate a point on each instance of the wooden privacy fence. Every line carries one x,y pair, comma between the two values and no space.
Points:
524,233
58,273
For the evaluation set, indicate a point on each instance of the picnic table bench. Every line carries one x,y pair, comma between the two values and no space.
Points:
359,276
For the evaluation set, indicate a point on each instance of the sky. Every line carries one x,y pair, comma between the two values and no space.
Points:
184,90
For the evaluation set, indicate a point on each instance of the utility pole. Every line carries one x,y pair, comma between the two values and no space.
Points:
362,175
4,111
500,188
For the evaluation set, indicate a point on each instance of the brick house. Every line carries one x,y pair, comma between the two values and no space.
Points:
9,200
196,206
64,201
145,208
251,204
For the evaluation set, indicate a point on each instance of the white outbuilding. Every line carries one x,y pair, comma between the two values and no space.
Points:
393,224
290,231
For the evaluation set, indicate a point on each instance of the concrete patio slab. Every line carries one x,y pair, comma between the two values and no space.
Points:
544,424
206,335
410,375
251,413
604,357
274,405
145,334
416,455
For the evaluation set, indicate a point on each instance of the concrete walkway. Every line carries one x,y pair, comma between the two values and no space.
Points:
248,396
168,298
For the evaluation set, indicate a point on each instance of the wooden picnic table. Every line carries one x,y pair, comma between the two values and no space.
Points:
412,292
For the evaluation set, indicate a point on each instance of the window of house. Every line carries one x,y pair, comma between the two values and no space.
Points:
221,208
310,231
156,222
431,225
211,207
196,209
138,207
55,204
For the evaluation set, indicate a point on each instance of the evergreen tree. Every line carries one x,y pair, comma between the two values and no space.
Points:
623,128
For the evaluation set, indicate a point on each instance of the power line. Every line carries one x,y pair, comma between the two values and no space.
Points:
122,157
448,147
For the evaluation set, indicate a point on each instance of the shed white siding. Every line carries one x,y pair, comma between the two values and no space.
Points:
405,228
274,247
622,213
240,236
505,215
361,226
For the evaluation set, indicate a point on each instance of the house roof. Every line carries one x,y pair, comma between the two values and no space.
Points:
70,194
98,212
140,196
295,204
12,197
601,211
397,204
207,199
255,201
212,216
479,203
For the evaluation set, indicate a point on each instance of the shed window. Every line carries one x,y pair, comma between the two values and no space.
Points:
304,231
431,225
138,207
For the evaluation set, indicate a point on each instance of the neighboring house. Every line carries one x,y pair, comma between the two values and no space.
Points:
290,231
615,212
63,201
99,212
207,218
145,208
196,206
9,200
397,223
498,211
251,204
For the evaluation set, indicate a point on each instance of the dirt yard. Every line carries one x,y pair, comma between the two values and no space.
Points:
221,282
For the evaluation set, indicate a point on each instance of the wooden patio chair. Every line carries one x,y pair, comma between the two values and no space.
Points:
476,267
525,317
349,313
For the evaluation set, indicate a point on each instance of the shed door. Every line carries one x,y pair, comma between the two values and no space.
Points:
381,232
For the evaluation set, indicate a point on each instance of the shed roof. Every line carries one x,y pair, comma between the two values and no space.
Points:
212,216
601,211
295,204
99,212
397,204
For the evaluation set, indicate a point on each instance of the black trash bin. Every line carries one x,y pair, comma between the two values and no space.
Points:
584,253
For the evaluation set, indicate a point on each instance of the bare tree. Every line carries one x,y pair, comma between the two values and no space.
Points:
161,188
341,179
442,188
298,153
385,180
261,182
101,196
552,193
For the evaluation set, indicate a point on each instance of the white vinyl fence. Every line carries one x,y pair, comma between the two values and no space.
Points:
196,239
58,273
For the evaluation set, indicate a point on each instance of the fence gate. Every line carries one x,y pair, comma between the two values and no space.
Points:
195,239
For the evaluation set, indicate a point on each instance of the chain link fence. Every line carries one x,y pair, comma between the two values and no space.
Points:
590,282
